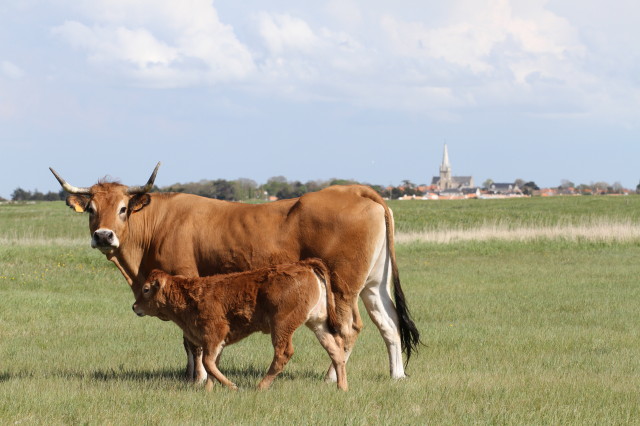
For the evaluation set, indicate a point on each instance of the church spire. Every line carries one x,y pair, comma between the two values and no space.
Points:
445,171
445,158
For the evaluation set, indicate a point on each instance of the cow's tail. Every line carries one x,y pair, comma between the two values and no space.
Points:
409,334
322,272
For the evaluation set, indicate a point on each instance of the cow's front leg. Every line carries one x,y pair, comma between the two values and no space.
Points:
195,369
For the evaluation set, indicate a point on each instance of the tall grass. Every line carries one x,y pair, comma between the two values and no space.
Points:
588,230
419,215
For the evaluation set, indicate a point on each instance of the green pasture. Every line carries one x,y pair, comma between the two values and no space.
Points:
419,215
543,332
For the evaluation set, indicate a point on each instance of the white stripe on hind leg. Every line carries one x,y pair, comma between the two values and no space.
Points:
382,311
383,314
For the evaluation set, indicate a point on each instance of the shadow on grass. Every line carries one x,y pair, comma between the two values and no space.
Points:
248,375
170,374
255,372
6,376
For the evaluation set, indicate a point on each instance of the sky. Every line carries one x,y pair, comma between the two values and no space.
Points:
538,90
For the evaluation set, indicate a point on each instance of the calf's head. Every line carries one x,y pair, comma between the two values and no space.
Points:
110,206
151,298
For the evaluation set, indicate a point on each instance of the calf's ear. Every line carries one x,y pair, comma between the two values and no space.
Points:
78,203
158,284
138,202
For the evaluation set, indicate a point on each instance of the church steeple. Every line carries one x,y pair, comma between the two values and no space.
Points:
445,170
445,158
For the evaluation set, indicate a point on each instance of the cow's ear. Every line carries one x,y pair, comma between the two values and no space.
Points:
138,202
78,203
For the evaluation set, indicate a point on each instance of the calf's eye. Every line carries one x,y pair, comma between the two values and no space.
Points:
145,290
123,210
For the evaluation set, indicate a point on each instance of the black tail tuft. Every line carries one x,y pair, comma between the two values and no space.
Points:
409,334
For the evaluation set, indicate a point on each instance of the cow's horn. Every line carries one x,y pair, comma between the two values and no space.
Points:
148,186
70,188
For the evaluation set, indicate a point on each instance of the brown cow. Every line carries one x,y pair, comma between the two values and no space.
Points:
349,227
217,311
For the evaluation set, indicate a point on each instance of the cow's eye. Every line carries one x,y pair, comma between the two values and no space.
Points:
123,210
90,210
145,290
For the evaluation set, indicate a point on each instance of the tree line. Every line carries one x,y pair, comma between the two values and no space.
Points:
243,189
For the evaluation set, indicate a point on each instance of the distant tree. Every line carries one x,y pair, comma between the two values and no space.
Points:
20,194
223,190
292,190
520,183
395,193
382,191
408,187
37,196
638,189
600,187
487,183
566,184
316,185
585,189
245,189
342,182
529,187
52,196
275,184
617,188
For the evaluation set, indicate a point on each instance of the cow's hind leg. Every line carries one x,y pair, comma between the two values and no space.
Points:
195,369
377,300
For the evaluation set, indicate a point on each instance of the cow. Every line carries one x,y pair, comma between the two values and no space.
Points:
217,311
349,227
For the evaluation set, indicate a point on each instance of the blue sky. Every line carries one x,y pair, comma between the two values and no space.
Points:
531,89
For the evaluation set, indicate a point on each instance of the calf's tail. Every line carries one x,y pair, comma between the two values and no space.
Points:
321,270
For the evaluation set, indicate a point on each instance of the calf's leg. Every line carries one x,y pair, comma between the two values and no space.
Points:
209,357
349,339
334,345
283,351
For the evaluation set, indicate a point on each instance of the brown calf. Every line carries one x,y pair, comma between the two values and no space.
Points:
220,310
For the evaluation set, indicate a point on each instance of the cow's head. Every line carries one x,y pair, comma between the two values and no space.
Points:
151,298
110,206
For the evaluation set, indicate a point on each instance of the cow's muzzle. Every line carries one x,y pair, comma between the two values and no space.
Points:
105,240
137,311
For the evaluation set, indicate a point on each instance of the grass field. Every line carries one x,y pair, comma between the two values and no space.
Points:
541,330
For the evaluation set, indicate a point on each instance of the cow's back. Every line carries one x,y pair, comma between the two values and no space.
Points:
197,236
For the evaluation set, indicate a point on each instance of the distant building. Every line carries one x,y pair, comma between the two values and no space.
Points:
504,188
447,182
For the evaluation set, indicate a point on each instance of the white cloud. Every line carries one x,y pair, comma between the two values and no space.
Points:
161,43
283,32
484,38
432,58
136,47
10,70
